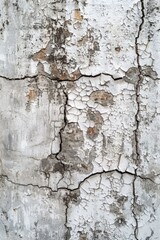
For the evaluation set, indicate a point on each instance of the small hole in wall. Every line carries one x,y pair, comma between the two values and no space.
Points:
117,49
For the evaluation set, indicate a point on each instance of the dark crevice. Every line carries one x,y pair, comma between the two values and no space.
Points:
106,74
60,135
79,185
149,237
25,185
135,176
137,89
60,80
134,206
67,234
19,79
65,122
68,192
86,76
155,79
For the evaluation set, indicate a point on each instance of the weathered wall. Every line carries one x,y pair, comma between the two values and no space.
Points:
79,119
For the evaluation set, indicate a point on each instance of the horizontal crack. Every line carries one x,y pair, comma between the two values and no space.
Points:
79,185
81,76
60,80
18,78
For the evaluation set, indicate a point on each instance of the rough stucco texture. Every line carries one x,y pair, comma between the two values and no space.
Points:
79,120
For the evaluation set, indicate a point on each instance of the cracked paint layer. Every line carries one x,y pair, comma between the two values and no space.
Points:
67,39
79,120
110,194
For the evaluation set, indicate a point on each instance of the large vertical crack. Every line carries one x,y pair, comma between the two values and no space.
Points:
67,200
134,207
67,235
137,120
65,121
137,87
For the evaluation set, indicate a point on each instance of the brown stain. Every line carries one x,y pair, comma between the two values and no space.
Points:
62,74
95,116
77,15
56,56
101,97
41,55
92,132
32,95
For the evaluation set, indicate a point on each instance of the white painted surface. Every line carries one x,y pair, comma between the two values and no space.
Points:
79,159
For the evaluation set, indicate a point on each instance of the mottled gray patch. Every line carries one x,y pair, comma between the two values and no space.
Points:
132,75
72,153
51,164
82,236
72,140
120,221
148,71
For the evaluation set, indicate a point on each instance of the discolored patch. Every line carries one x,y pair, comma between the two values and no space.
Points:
101,97
55,56
120,221
92,132
72,154
63,74
41,55
132,75
82,236
32,95
149,72
77,15
51,164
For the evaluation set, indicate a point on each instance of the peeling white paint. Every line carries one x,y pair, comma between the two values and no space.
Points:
79,120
